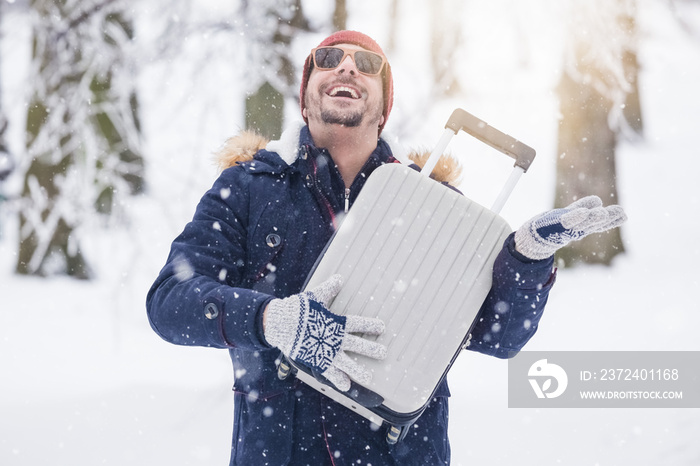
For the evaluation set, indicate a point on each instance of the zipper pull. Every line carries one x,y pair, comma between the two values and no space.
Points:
347,200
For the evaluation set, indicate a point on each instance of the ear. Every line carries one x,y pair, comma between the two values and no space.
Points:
303,112
381,120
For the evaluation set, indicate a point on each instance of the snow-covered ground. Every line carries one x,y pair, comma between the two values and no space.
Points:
84,380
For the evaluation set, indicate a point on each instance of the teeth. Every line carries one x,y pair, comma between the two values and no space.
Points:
349,90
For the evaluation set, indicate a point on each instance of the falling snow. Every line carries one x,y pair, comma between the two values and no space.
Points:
112,378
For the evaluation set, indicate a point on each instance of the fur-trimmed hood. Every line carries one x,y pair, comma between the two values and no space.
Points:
243,147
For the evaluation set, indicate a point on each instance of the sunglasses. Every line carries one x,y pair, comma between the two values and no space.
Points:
329,58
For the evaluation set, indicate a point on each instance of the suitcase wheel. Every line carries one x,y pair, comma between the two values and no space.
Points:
283,370
393,434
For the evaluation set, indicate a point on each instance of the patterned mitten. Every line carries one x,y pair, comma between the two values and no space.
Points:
304,330
543,234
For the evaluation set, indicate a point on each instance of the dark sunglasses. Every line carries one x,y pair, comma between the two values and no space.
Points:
329,58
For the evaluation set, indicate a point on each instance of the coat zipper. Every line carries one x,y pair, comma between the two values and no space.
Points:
347,200
327,204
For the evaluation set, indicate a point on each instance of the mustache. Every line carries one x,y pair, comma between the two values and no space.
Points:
343,80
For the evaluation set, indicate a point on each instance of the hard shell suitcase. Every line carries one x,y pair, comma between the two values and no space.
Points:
419,256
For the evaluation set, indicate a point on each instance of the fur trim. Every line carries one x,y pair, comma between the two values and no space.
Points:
447,169
243,147
239,148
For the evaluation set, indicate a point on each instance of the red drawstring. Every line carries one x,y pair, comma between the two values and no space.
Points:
328,447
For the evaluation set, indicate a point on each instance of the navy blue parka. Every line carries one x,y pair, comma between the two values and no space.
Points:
255,236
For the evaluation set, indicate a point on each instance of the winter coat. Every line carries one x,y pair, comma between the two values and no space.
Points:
256,235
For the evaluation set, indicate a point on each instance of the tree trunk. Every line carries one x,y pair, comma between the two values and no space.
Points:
586,165
6,163
45,224
264,107
393,26
47,246
340,15
445,41
632,111
83,134
598,79
264,111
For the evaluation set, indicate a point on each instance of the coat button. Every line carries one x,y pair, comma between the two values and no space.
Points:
273,240
211,311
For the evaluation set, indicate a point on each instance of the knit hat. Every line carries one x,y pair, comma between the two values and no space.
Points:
366,42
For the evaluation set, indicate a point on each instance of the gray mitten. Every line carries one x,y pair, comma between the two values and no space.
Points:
304,330
543,234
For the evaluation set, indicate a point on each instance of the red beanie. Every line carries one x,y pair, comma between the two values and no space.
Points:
366,42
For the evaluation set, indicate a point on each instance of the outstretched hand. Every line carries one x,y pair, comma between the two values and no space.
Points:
543,234
304,330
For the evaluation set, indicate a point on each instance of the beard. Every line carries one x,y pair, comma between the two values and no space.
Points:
349,119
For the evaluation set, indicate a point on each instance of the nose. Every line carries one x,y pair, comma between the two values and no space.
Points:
347,65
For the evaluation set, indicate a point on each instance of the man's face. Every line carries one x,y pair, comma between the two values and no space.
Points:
344,96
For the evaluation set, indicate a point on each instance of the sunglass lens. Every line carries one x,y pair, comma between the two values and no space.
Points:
328,57
368,62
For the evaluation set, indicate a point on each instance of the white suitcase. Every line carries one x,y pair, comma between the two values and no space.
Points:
419,256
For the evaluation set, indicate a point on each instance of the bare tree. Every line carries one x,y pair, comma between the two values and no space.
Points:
83,134
598,79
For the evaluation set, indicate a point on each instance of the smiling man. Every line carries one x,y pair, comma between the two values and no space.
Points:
234,276
344,97
345,104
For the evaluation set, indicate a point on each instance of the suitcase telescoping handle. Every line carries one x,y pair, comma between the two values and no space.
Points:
522,153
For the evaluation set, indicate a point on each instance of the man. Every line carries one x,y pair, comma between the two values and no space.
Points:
234,276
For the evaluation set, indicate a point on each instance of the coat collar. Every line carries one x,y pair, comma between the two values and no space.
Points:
276,156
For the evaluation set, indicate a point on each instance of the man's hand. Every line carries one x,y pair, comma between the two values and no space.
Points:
304,330
543,234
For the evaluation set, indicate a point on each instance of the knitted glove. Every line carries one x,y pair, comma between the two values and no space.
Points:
543,234
308,333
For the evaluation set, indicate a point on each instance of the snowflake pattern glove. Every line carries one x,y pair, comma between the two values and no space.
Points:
543,234
304,330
